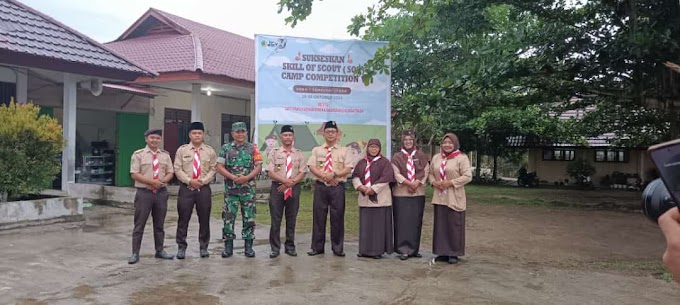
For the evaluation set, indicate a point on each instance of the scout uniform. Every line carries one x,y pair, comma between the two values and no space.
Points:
151,165
239,160
331,159
288,164
194,163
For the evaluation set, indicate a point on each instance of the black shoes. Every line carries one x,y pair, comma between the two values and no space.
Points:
314,253
181,253
204,253
339,254
228,248
403,257
291,252
274,254
453,260
249,252
133,259
161,254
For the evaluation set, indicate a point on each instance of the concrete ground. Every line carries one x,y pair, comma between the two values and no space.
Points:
516,255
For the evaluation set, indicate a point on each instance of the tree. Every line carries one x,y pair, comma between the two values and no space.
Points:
29,146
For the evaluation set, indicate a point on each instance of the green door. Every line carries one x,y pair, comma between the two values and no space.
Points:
129,137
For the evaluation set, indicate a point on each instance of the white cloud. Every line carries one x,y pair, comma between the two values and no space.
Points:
302,41
329,49
276,61
374,122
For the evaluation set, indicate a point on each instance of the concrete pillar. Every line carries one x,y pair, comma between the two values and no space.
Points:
196,115
68,157
22,85
251,114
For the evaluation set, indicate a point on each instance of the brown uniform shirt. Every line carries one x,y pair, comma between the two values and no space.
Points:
184,163
341,157
459,172
142,163
277,162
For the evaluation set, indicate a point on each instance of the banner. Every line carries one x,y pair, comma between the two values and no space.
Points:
305,82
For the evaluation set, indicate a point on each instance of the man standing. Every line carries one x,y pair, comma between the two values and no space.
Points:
239,162
286,168
195,168
331,164
151,169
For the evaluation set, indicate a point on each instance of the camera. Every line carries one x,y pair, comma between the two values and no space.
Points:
656,200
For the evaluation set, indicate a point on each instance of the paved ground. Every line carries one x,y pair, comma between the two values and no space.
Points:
516,255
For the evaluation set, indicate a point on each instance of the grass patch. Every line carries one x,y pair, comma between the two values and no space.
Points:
476,194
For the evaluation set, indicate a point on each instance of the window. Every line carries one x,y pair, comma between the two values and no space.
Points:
611,155
558,154
7,92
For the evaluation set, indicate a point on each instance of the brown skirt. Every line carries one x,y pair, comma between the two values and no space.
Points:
448,238
375,231
408,223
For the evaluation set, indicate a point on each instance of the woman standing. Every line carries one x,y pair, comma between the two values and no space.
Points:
411,169
372,178
449,172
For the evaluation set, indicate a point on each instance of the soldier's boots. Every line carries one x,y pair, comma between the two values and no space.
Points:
249,248
228,248
133,259
181,253
163,255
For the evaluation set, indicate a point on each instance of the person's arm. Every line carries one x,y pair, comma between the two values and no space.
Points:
221,161
212,167
427,174
397,175
349,165
256,171
669,223
430,175
179,173
465,174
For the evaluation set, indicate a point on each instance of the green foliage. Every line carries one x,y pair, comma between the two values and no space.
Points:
29,146
456,60
581,170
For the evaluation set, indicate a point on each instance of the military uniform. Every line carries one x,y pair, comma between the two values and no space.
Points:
188,197
278,203
239,160
329,197
147,200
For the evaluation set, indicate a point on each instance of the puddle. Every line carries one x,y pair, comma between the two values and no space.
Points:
83,291
174,293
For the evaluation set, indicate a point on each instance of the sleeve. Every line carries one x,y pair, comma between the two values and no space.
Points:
356,183
465,173
271,158
179,173
312,159
379,187
222,155
397,175
168,167
212,167
303,167
257,156
135,163
427,173
349,159
430,175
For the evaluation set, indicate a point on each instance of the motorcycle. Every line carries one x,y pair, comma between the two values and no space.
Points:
527,179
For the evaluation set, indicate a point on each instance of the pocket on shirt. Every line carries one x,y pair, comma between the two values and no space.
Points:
320,161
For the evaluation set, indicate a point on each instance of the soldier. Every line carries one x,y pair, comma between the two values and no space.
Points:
151,168
286,168
331,164
195,168
239,162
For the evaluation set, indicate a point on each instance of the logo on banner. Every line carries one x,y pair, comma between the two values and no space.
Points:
278,45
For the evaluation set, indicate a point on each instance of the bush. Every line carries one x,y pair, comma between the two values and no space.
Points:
581,170
29,149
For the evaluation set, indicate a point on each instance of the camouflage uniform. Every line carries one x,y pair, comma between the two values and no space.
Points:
239,160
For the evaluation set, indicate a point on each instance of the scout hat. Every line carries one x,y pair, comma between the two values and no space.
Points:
287,128
196,126
239,126
156,131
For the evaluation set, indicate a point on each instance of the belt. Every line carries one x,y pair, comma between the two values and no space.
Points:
328,185
146,189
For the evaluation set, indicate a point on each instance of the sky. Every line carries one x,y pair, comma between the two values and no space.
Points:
105,20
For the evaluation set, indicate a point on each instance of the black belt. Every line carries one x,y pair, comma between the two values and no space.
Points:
146,189
324,183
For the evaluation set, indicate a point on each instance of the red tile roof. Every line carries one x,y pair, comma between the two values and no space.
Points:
27,33
169,43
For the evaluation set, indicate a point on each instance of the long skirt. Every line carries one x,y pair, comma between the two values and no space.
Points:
375,231
448,238
408,223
